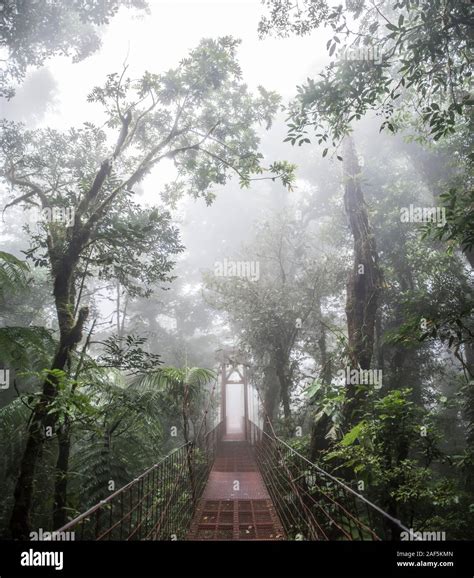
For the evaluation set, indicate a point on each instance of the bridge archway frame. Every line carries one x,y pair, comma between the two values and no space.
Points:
233,363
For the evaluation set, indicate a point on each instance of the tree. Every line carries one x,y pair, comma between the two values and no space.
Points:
275,316
119,437
185,386
405,57
364,282
416,477
32,32
201,116
387,454
408,62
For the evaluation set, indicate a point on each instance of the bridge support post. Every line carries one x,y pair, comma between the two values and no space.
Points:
224,396
246,408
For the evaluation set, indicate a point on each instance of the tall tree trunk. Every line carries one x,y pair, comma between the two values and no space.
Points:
64,449
271,396
189,447
60,486
284,390
319,430
70,335
364,282
64,251
118,289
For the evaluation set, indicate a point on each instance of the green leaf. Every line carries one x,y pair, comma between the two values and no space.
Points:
313,388
353,434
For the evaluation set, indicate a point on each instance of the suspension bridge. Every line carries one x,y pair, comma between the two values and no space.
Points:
236,480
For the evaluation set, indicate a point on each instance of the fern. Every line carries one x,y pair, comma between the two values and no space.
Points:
26,347
13,273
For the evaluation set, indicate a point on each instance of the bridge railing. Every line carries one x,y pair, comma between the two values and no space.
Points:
313,504
159,504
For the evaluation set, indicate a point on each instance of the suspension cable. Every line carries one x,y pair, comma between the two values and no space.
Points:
338,482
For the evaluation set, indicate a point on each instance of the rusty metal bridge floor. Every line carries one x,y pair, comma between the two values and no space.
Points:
235,504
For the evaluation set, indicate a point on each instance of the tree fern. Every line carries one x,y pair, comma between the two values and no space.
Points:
174,379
